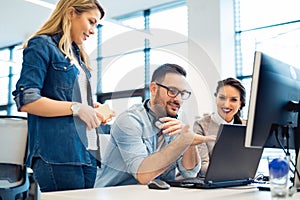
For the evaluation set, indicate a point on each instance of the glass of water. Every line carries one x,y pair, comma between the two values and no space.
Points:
279,176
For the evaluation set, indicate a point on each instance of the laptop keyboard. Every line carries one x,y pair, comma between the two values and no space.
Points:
201,183
196,180
187,182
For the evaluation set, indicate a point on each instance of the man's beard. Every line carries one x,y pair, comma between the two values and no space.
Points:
161,108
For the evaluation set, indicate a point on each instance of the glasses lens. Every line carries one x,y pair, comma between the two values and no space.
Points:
185,95
173,92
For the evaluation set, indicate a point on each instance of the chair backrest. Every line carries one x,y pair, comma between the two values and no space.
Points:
13,172
104,140
13,139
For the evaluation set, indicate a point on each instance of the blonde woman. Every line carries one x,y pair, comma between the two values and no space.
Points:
55,91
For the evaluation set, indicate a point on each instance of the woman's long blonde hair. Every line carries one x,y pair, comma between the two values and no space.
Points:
59,22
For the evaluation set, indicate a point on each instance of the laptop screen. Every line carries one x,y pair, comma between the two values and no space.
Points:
230,159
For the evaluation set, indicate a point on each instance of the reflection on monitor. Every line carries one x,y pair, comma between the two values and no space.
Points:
274,84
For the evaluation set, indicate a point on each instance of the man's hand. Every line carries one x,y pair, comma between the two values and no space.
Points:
170,125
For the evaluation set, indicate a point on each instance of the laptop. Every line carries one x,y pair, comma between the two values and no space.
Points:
231,163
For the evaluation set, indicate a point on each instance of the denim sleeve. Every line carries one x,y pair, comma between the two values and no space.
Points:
127,132
33,73
188,173
26,96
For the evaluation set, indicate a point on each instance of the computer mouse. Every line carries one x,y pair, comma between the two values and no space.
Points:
158,184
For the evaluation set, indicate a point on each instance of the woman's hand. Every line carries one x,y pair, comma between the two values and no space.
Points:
104,113
87,114
199,139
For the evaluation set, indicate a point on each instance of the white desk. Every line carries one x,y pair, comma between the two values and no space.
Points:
141,192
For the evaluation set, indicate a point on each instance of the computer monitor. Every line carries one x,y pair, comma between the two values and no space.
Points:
274,85
274,101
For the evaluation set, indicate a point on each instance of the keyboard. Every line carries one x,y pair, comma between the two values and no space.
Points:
200,182
187,182
195,180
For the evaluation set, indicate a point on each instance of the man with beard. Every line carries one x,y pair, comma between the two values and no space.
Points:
148,141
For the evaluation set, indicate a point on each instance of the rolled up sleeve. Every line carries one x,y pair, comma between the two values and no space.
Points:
23,97
127,133
188,173
33,73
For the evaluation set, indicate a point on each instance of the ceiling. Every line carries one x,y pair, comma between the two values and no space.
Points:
20,18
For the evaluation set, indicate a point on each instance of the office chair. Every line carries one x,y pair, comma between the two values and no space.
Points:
104,140
14,181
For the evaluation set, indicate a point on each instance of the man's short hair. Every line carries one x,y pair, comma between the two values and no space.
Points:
160,73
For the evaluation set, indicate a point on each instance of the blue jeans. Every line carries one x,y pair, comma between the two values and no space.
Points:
57,177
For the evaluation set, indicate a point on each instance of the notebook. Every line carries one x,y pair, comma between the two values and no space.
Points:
231,163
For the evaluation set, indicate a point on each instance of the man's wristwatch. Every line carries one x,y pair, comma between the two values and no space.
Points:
75,107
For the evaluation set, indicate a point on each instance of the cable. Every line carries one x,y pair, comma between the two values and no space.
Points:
287,153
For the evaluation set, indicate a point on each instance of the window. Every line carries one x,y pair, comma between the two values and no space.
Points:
124,51
269,26
10,62
134,45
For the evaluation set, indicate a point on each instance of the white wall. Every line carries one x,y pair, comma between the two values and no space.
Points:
211,51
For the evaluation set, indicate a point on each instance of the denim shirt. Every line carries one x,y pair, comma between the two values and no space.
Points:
133,138
46,72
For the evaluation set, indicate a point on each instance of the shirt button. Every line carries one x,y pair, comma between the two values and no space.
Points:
65,68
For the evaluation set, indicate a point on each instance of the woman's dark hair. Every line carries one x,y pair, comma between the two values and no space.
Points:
238,85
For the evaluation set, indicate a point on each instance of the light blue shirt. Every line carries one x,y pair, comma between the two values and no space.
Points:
133,138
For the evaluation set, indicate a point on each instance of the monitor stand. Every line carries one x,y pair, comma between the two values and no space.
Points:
294,106
296,180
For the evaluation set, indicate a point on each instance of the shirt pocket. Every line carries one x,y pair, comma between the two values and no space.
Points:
63,75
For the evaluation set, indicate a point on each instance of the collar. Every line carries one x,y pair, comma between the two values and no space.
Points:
148,109
57,37
217,118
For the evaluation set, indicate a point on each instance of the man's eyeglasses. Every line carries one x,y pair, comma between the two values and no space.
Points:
173,92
